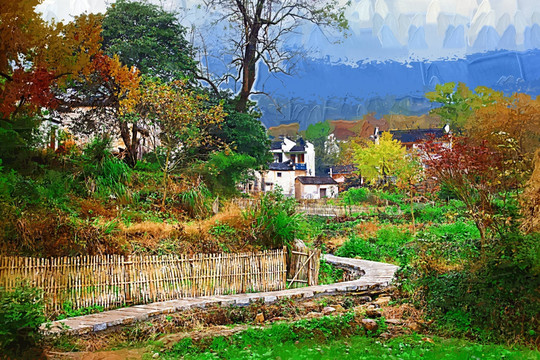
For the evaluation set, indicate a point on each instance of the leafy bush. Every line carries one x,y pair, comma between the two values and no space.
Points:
196,200
104,174
494,295
276,222
390,244
21,314
354,196
329,274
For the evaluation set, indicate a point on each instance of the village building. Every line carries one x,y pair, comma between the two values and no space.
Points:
315,187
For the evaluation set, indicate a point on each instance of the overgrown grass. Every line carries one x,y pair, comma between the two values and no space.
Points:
335,337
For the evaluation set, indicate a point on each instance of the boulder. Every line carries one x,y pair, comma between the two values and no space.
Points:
370,325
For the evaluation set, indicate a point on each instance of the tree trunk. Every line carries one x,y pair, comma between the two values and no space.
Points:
165,179
131,141
249,63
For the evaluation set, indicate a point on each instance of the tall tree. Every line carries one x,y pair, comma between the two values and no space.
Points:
327,150
149,38
36,56
262,26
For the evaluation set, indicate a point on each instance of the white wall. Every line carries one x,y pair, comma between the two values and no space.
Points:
286,181
313,191
310,159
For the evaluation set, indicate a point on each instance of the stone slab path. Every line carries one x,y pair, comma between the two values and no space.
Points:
375,275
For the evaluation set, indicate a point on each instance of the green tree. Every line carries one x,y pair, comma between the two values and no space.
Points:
148,37
459,102
245,134
327,151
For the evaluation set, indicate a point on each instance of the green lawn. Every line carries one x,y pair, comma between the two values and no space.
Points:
360,347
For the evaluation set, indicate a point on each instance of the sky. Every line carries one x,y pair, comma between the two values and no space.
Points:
401,30
395,51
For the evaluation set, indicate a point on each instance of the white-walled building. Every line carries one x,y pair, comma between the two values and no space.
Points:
315,187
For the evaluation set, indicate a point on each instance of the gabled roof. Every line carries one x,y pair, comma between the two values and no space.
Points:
316,180
284,166
416,135
276,145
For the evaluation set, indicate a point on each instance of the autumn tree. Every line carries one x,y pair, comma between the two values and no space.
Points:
261,27
472,171
377,161
513,118
36,58
184,122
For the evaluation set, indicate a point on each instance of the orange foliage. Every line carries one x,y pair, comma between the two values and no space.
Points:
35,55
517,116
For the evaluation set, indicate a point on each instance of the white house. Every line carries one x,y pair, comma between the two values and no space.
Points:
315,187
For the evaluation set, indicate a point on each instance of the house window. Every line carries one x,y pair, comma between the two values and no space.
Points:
293,158
300,158
278,174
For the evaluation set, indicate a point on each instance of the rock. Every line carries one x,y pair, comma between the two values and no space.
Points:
383,300
313,315
155,356
373,313
364,299
414,326
259,319
370,325
328,310
394,321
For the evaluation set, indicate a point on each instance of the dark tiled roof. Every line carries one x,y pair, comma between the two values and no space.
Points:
276,145
415,135
298,148
343,169
316,180
284,166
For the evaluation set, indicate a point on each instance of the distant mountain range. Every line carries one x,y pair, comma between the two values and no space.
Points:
321,90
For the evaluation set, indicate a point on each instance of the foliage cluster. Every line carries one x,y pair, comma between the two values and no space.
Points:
275,222
21,315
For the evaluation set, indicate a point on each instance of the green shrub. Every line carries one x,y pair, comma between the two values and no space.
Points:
276,222
390,244
21,314
196,201
329,274
354,196
493,296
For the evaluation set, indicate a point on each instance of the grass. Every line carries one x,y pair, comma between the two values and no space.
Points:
285,341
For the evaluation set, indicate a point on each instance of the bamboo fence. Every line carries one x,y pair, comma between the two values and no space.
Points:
113,280
303,266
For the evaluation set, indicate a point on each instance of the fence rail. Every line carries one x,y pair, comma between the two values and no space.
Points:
318,207
114,280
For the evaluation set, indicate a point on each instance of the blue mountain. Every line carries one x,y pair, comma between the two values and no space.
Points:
320,90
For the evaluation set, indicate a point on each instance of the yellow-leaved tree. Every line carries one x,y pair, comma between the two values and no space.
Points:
378,162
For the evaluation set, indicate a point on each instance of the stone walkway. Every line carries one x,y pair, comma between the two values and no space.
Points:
374,275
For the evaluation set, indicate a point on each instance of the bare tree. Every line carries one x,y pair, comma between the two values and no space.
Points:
261,28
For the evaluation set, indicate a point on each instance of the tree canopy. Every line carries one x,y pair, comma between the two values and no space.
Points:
146,36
